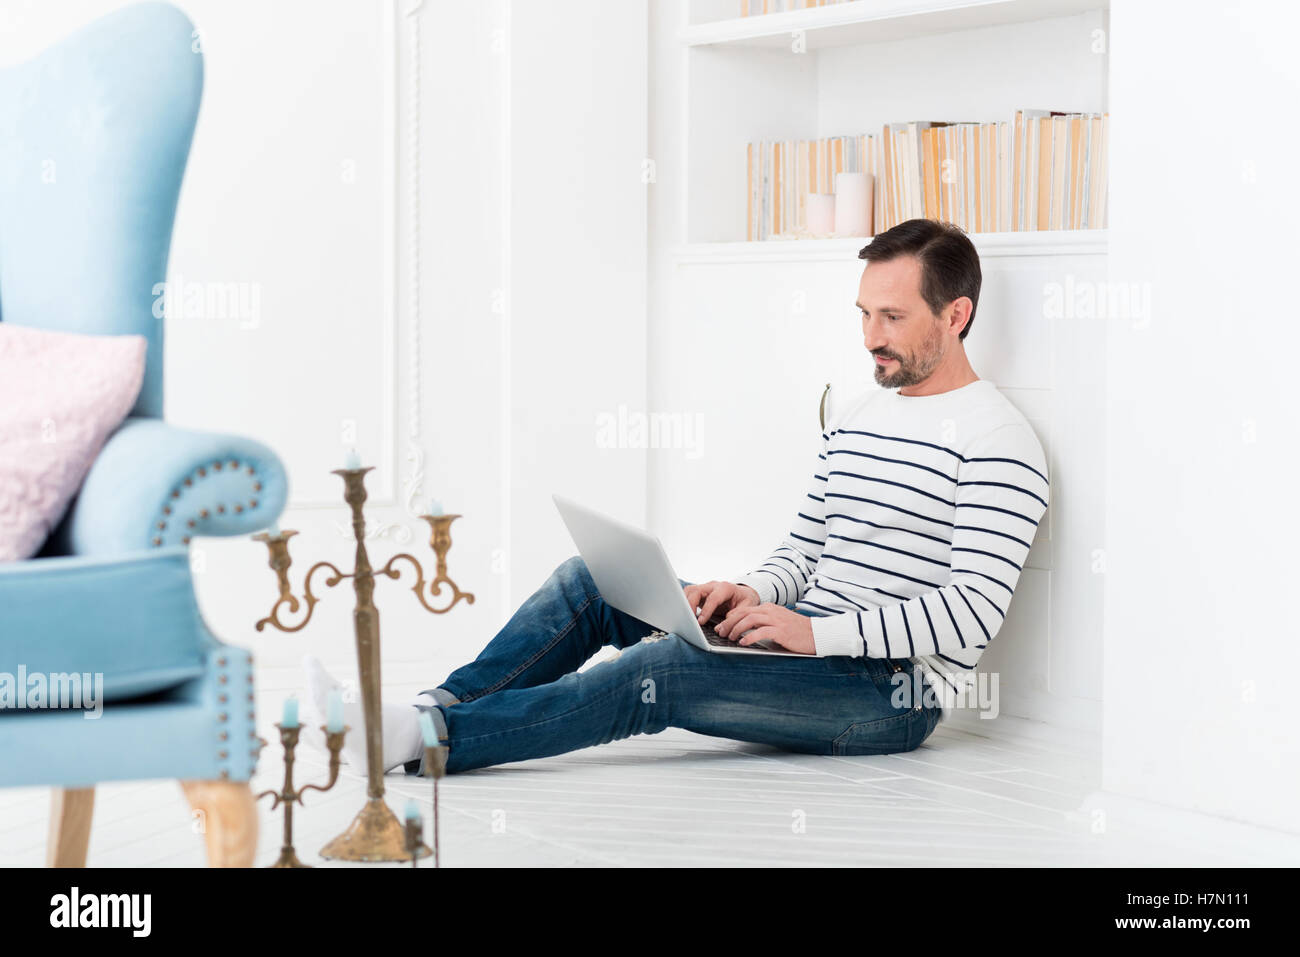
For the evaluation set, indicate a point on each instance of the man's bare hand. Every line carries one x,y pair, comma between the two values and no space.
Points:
714,599
776,623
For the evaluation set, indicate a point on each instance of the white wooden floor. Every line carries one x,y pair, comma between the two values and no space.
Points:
1000,793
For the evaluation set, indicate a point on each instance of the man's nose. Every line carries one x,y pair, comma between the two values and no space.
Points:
873,340
871,337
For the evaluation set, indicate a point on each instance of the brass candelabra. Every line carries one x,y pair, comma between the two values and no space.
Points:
288,796
375,834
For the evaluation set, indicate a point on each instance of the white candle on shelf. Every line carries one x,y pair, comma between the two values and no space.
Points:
435,507
820,214
352,460
853,204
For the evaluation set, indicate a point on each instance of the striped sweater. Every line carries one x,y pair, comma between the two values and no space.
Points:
912,537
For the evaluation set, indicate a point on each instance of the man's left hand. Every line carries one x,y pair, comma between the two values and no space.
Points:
776,623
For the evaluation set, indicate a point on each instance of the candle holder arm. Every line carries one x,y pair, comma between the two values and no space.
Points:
334,741
434,586
280,562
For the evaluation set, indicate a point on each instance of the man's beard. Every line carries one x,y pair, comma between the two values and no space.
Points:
914,368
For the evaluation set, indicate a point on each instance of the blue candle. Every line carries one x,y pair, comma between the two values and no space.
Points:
427,729
334,721
412,811
435,507
353,460
290,717
274,530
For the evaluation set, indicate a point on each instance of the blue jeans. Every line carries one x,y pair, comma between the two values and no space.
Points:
523,697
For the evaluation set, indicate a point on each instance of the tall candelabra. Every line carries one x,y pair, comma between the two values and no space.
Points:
375,834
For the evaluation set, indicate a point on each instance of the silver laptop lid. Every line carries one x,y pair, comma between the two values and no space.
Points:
630,568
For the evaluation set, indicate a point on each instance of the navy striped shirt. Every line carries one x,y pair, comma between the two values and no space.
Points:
912,536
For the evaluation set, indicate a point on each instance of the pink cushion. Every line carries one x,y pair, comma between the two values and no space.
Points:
61,396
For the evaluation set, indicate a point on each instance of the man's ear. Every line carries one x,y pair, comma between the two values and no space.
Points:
958,314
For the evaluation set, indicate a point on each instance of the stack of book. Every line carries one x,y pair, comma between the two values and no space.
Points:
1040,170
781,175
1059,172
756,8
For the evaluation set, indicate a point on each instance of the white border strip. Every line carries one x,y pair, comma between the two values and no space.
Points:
1072,242
741,30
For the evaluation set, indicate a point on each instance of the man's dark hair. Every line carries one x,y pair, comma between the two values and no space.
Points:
950,266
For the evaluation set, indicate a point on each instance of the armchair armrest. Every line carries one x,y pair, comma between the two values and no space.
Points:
155,485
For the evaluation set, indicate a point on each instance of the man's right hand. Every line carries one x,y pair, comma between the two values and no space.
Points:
716,599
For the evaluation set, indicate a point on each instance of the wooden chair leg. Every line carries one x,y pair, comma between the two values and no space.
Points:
70,812
229,820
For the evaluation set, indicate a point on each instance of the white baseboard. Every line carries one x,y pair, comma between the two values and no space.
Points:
1076,714
1086,741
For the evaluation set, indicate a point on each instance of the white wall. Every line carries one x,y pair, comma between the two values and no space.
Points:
576,262
1201,640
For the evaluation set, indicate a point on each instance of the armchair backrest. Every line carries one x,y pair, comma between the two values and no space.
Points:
94,136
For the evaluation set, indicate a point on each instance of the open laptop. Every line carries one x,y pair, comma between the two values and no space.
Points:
633,574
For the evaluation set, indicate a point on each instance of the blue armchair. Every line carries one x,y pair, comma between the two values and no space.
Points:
94,138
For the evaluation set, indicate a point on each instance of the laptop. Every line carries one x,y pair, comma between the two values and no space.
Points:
633,574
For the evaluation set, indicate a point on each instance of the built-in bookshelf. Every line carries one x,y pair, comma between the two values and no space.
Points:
853,68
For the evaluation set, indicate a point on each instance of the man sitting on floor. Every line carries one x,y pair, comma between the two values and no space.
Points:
904,554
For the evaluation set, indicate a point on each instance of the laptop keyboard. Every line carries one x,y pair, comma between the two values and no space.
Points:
713,638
